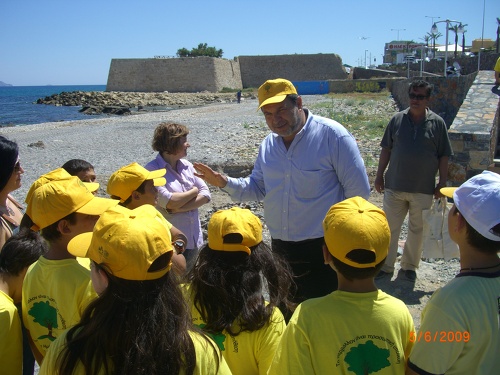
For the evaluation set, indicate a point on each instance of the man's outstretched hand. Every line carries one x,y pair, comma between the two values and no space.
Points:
208,175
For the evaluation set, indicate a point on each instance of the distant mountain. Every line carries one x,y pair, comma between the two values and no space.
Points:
4,84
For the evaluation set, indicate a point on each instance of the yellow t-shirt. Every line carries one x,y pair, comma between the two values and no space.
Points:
249,353
11,338
346,333
460,329
205,360
55,294
497,66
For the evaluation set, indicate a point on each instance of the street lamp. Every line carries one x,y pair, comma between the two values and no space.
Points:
434,30
398,30
432,18
365,58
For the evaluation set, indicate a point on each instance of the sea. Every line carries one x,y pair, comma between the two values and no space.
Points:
18,105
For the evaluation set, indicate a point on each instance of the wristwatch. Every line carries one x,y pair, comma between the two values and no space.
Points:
180,246
179,242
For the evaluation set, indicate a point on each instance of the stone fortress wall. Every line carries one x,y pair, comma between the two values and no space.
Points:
184,74
255,70
195,74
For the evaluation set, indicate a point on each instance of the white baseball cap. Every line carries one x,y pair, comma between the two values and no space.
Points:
478,200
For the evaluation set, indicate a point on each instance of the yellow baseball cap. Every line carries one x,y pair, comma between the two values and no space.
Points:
56,174
57,199
275,91
234,221
127,179
354,224
127,242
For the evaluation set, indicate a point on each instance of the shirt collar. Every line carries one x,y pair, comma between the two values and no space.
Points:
428,112
160,161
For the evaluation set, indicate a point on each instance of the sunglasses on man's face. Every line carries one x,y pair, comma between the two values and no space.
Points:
418,97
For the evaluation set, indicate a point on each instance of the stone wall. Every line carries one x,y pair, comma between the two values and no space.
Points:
255,70
362,85
474,132
195,74
446,99
185,74
362,73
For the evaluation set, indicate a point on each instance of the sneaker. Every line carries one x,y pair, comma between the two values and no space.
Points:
411,275
383,275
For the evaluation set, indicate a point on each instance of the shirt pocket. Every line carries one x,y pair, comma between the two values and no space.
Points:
310,184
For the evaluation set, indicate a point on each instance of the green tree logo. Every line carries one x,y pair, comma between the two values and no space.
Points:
45,315
367,358
219,338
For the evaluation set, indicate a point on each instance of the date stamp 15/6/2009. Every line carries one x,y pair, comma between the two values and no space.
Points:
440,336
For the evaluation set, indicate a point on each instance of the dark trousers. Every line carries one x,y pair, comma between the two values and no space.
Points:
312,277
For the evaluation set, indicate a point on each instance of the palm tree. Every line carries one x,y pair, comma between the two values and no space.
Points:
455,30
498,35
463,38
426,39
433,37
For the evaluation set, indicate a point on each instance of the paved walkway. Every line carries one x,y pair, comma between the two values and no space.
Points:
478,110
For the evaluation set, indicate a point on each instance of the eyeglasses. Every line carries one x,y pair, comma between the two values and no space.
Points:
418,97
17,166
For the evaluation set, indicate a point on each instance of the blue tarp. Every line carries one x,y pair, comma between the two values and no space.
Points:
312,87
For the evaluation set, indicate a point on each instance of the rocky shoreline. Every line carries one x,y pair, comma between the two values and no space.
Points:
125,103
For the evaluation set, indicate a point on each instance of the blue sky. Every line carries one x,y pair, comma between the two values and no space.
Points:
72,41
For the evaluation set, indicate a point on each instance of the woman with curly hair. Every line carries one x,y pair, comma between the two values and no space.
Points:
227,286
182,195
139,324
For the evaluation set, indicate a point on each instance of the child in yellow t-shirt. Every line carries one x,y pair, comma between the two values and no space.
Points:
226,291
18,253
57,287
139,322
357,328
134,186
